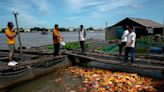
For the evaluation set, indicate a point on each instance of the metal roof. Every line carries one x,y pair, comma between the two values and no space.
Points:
146,22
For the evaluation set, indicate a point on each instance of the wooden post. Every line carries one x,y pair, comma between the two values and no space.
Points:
163,26
19,38
106,31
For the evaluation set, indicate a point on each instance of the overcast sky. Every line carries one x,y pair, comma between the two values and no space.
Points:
72,13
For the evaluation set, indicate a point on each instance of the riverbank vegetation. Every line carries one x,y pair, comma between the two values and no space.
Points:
61,29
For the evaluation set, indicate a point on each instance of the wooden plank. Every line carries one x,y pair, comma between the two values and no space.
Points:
37,52
31,62
143,60
147,56
16,55
3,58
115,62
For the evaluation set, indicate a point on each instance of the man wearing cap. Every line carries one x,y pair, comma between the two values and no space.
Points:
10,35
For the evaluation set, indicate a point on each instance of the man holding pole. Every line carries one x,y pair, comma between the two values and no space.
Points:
10,35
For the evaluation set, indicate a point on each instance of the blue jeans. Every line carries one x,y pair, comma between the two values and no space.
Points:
127,50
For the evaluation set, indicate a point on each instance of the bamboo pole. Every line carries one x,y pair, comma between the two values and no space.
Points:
19,38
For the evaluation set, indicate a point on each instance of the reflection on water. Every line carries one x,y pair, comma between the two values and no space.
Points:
36,39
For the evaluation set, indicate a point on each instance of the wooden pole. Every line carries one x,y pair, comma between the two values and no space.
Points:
19,38
163,26
106,23
106,31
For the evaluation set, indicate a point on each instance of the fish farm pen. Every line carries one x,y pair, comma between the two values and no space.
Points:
99,69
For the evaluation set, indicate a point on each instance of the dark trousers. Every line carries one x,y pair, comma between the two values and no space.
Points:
82,45
121,46
56,48
127,50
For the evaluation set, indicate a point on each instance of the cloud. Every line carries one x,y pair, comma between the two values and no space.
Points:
113,5
95,14
26,11
137,5
97,8
46,12
74,4
77,6
42,6
73,18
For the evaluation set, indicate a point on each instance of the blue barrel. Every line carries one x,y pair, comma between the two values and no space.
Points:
156,49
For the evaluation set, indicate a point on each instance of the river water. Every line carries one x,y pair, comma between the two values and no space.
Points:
54,82
46,83
36,39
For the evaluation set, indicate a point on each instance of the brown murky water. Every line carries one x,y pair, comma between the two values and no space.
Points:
59,81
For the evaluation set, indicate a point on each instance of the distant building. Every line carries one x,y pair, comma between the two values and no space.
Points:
141,27
27,30
71,29
49,30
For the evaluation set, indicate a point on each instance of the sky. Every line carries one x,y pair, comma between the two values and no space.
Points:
72,13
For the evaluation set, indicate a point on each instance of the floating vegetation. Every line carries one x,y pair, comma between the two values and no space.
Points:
111,48
76,45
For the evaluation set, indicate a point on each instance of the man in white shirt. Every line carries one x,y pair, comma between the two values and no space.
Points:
130,45
123,39
82,35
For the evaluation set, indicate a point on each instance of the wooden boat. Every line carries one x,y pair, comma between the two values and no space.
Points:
142,66
44,32
29,69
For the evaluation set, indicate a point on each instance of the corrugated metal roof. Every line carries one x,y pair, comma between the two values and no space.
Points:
146,22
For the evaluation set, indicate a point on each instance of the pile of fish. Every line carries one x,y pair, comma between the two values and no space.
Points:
98,80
